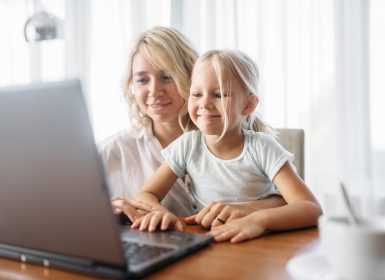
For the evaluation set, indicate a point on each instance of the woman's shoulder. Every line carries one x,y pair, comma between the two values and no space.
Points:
126,138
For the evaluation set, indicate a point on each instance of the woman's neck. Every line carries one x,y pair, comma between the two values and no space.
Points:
230,146
166,132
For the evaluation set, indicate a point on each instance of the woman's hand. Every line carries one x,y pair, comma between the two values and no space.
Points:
216,214
158,218
219,213
134,209
238,230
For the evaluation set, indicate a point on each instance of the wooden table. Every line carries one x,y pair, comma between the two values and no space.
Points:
262,258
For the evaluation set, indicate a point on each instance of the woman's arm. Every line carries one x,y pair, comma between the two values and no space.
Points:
207,217
302,210
133,209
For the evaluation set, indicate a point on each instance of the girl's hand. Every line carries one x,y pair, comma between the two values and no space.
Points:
152,220
216,214
134,209
238,230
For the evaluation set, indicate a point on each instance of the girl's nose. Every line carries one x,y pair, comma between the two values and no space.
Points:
206,104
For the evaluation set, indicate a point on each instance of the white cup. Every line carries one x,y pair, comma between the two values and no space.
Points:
354,252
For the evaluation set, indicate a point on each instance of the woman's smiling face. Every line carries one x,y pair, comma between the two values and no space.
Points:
155,91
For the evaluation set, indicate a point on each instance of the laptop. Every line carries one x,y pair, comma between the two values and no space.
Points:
54,203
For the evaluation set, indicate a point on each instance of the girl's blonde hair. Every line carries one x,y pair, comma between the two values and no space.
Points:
169,50
232,63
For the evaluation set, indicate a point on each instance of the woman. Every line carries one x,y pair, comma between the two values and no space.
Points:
156,87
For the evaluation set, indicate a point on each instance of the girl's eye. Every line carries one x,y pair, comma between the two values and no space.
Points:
220,95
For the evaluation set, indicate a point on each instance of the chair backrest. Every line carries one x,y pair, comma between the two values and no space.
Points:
293,140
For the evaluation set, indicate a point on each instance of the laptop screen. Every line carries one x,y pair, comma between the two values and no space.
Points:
46,161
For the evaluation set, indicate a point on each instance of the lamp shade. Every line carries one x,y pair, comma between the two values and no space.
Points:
43,26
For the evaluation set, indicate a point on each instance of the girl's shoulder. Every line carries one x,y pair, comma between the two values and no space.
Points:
190,135
187,139
261,141
258,136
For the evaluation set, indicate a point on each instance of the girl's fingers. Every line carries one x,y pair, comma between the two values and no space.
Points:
179,226
239,238
152,220
145,222
156,219
190,220
223,234
137,222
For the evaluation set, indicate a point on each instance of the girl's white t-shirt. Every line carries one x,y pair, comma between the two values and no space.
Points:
247,177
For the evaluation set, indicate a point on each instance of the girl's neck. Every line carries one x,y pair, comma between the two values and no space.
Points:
229,147
166,132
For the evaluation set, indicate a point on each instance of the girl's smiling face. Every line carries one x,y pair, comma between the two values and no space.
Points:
208,106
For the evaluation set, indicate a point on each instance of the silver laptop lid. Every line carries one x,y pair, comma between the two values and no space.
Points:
46,161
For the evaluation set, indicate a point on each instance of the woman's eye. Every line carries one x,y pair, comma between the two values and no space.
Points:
197,94
141,81
167,78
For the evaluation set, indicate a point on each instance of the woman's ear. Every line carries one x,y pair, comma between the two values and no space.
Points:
250,105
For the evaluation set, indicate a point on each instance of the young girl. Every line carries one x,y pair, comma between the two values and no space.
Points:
226,160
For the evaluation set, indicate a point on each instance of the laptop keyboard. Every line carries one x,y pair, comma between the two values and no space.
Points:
138,253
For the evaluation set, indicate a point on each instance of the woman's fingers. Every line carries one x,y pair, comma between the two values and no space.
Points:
221,218
200,216
120,207
216,214
139,205
132,208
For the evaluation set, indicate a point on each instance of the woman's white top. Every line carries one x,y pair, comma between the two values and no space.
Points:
132,156
247,177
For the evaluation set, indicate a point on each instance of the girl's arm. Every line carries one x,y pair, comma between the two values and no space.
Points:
302,210
152,193
157,186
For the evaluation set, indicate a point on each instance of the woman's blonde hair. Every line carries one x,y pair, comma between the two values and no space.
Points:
232,63
170,51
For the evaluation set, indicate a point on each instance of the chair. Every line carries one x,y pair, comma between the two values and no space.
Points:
293,140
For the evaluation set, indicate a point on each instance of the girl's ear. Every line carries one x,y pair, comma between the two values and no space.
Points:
250,105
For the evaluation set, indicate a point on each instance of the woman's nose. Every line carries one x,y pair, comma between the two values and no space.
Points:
155,89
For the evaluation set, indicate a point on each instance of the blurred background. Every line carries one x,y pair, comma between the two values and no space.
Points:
322,65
